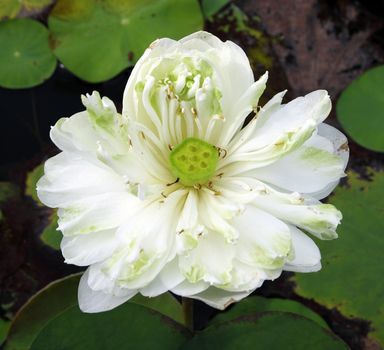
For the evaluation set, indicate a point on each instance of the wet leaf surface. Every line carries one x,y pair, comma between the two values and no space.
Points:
352,264
360,109
61,295
25,57
257,304
271,330
97,40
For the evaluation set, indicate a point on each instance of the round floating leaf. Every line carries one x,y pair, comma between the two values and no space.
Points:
360,109
257,304
210,7
42,307
9,8
165,303
50,236
128,326
35,4
272,330
97,40
62,295
31,181
353,264
4,327
25,57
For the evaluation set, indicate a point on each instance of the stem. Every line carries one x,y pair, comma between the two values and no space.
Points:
187,304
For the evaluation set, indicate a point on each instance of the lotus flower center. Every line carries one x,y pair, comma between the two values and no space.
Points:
193,161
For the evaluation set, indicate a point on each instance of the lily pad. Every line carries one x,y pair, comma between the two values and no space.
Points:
360,109
11,8
4,327
43,306
26,59
60,296
270,330
257,304
96,40
352,265
50,235
30,185
165,303
210,7
130,325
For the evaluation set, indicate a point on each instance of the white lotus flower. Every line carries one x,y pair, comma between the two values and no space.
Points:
175,195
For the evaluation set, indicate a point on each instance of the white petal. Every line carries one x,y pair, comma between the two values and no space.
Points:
99,125
74,134
147,243
309,169
91,301
219,298
271,107
210,260
169,277
228,59
338,139
306,253
186,289
96,213
189,214
264,241
246,277
241,108
319,219
340,146
265,149
83,250
215,212
69,178
286,123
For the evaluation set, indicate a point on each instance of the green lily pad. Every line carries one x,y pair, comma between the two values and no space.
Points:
4,327
352,265
210,7
128,326
25,57
11,8
165,303
43,306
35,4
360,109
60,296
30,184
96,40
257,304
271,330
50,236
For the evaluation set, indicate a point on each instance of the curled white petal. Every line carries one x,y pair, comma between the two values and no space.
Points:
92,301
